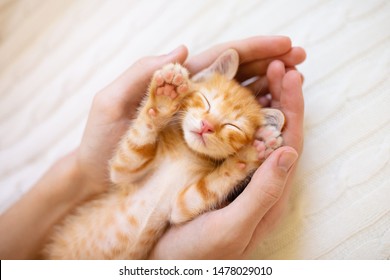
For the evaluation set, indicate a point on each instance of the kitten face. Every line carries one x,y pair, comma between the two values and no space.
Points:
220,117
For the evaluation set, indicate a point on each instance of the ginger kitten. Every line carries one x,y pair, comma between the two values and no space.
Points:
192,142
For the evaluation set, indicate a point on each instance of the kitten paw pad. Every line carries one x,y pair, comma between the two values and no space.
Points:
260,148
171,81
268,139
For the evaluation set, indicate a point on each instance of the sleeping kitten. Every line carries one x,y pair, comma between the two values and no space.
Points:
191,144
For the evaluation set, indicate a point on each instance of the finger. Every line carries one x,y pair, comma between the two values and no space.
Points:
286,90
292,105
250,49
263,191
259,67
260,85
273,217
294,68
128,90
291,102
263,86
275,79
275,73
137,77
267,224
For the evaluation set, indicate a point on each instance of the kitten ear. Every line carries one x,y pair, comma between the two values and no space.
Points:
273,117
226,64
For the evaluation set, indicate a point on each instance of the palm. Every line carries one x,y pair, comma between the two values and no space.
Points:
116,105
235,240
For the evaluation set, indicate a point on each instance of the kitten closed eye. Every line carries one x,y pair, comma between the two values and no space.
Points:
177,160
205,101
233,126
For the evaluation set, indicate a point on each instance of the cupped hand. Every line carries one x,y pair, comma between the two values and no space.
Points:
110,116
234,231
231,232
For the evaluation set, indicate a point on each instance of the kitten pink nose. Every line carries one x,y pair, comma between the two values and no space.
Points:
206,127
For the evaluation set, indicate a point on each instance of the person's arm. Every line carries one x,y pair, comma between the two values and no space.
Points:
25,226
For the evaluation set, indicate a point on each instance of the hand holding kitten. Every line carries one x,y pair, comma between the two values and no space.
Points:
252,215
83,174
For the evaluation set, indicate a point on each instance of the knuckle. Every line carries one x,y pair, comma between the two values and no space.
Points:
271,193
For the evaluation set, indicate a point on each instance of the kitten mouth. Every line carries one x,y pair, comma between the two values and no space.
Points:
199,136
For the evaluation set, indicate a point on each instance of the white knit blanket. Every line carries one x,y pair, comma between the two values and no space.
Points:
55,55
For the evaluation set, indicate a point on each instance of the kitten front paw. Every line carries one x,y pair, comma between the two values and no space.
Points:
170,84
268,139
248,158
172,80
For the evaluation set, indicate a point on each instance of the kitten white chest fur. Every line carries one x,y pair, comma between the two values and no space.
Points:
157,193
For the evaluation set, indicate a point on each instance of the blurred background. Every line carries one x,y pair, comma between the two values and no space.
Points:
56,54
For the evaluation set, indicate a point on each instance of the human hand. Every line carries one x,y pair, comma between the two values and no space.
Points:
234,232
109,118
83,173
116,104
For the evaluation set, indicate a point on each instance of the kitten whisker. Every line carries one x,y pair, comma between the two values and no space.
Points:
171,169
259,90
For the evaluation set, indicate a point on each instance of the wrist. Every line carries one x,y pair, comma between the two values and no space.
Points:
70,178
28,223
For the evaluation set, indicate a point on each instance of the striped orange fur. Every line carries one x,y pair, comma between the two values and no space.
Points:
190,145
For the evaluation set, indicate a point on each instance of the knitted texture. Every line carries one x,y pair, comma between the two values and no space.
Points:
55,55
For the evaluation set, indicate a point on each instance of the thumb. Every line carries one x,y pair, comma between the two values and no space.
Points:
136,78
264,189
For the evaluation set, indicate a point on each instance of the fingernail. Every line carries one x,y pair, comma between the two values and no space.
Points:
287,159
